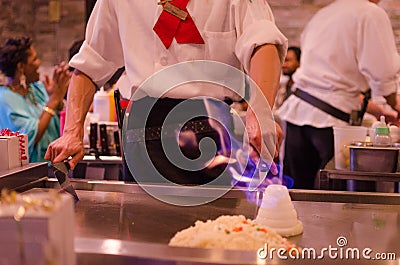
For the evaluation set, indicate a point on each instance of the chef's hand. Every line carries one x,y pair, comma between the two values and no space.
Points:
391,117
263,145
68,145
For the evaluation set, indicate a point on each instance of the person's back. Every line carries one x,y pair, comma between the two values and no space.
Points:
345,50
345,26
347,47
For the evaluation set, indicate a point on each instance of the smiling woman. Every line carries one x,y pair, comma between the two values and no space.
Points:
29,105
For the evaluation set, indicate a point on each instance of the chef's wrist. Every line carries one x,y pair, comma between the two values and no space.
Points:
73,131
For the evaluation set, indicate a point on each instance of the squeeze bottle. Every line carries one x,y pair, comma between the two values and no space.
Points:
101,105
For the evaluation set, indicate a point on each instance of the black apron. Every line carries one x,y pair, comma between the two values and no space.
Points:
170,147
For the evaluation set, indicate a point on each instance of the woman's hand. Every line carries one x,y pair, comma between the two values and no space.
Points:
56,89
57,86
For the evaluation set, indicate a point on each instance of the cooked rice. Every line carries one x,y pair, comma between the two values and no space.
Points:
229,232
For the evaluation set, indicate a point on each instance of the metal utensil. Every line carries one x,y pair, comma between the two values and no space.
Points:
61,170
356,117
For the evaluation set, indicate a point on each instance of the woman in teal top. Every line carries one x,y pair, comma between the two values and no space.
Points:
28,105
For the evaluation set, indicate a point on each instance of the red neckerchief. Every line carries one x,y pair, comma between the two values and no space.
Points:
170,25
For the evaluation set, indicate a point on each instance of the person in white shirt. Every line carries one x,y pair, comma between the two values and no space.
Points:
347,47
149,36
289,67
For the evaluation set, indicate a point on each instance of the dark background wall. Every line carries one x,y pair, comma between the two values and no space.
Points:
53,39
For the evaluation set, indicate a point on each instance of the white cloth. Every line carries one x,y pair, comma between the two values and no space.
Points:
347,47
120,32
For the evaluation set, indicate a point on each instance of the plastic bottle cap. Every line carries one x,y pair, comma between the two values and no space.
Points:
382,130
382,120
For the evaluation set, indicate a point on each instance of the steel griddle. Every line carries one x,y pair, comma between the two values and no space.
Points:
120,223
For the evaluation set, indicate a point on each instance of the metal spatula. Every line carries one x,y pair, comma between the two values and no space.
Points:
60,170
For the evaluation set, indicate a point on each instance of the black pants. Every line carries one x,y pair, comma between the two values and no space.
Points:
147,161
307,150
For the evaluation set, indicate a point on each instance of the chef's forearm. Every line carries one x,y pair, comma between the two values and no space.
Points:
80,96
265,70
374,109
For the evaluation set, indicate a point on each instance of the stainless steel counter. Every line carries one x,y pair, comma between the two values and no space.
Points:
122,224
25,177
328,176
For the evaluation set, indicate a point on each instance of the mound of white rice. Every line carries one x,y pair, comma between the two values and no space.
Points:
229,232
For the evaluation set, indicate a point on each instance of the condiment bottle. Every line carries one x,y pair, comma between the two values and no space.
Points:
382,134
101,105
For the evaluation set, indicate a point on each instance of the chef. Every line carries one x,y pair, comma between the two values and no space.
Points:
148,37
347,47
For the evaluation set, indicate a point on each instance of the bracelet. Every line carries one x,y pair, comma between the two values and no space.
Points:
49,110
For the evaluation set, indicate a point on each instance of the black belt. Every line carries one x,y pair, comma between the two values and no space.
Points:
322,105
168,130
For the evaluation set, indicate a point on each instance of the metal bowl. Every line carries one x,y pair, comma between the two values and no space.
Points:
365,157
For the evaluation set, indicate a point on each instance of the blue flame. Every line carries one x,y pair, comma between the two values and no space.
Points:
245,172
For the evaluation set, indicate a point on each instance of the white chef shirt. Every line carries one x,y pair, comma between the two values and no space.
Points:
347,47
120,32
